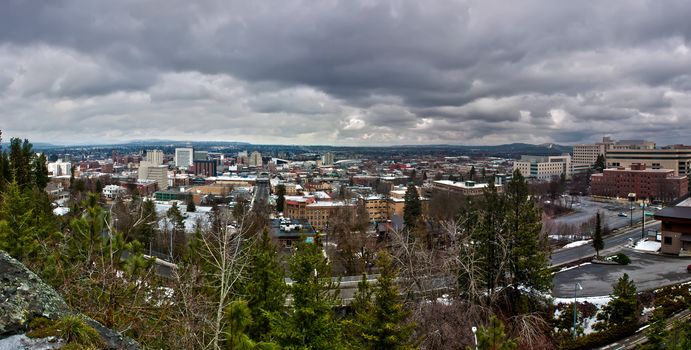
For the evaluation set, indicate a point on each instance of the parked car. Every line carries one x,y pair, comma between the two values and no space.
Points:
623,215
688,269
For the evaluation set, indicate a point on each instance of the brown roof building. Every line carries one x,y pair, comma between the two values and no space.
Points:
661,184
676,230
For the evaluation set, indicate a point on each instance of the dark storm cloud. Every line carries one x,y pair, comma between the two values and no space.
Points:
346,71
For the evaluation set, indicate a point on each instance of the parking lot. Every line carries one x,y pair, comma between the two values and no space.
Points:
585,209
648,271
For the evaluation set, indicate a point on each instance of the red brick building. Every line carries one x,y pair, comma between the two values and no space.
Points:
651,184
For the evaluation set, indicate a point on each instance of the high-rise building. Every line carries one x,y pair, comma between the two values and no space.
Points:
155,157
201,155
255,159
243,158
158,173
184,157
328,158
205,167
544,168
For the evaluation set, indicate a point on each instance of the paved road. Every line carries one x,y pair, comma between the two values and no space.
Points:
570,254
648,271
262,191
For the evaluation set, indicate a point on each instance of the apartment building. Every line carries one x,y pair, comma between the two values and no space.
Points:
544,168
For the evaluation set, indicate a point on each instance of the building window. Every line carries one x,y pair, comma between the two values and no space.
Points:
668,240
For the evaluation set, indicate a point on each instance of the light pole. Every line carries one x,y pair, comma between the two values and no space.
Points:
576,288
474,329
643,225
632,200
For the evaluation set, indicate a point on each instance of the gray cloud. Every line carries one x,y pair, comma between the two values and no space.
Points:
346,72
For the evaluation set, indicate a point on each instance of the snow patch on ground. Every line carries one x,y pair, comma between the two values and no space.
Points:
577,244
589,322
598,301
573,267
648,246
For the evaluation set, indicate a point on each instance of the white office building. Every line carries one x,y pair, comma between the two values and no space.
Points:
544,168
60,168
184,157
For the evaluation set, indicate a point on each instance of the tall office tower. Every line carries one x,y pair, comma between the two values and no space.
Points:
184,157
255,159
328,158
158,173
154,157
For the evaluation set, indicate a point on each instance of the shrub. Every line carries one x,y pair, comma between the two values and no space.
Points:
604,337
72,329
621,259
672,299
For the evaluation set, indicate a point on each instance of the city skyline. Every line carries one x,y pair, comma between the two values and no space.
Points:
346,73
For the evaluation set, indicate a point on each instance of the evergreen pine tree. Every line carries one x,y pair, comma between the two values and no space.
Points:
493,337
239,320
471,173
312,323
146,230
39,171
598,242
656,332
623,308
281,199
265,288
599,165
383,321
18,234
528,248
191,207
412,210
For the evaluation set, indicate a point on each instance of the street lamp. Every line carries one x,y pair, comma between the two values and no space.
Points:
474,329
632,199
643,216
576,288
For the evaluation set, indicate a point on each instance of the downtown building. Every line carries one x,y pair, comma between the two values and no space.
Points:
184,157
652,184
586,154
676,158
544,168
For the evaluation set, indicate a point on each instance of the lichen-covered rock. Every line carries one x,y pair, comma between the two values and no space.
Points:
24,296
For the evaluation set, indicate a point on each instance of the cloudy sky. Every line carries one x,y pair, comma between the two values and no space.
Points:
345,72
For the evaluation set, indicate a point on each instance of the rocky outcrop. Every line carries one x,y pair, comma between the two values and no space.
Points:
24,296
